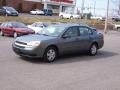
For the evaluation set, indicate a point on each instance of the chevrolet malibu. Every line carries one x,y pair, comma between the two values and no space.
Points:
59,39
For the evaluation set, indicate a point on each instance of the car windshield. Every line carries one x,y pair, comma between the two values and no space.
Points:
52,30
10,9
36,10
19,25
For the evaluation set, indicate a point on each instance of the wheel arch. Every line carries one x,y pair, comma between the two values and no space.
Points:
55,46
96,44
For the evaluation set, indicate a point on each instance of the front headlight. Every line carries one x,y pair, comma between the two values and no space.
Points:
33,43
8,12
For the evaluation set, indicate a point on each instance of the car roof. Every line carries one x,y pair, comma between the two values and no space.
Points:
66,25
72,24
7,7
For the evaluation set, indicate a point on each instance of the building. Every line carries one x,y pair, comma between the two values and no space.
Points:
27,5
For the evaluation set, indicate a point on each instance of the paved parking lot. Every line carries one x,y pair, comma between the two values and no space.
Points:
71,72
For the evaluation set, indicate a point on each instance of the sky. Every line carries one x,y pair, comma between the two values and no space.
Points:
100,5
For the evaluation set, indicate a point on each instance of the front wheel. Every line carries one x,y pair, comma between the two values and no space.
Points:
1,33
50,54
93,50
15,35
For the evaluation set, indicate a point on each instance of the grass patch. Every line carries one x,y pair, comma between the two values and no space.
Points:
32,19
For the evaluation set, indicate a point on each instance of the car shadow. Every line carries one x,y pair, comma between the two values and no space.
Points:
85,57
71,58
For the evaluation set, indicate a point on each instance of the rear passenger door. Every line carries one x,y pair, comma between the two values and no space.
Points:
84,38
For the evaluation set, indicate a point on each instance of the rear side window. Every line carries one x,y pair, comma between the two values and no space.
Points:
84,31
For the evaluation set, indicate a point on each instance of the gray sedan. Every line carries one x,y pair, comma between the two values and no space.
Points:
59,39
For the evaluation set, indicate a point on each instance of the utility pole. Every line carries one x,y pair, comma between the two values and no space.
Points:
1,2
106,20
82,7
119,8
94,8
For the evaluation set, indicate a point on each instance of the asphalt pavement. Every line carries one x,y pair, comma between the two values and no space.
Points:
71,72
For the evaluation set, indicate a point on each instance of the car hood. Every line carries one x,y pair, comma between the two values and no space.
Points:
36,37
14,12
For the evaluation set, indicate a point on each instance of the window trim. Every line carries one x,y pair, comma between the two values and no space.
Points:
87,28
69,28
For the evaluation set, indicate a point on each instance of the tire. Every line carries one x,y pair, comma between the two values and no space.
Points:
1,33
61,16
118,29
93,50
50,54
15,35
71,17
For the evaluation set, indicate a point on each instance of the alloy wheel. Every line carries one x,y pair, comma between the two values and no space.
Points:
93,50
1,33
50,54
15,35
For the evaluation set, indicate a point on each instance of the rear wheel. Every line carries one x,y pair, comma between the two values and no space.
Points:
118,29
93,50
1,33
71,17
15,34
61,16
50,54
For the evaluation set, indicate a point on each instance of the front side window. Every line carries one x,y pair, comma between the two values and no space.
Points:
72,32
10,9
19,25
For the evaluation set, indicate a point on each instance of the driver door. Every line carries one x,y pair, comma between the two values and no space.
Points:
69,42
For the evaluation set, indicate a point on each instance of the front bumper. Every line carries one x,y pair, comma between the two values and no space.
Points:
27,52
12,14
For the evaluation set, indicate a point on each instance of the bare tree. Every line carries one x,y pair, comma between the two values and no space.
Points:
2,2
117,5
